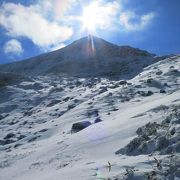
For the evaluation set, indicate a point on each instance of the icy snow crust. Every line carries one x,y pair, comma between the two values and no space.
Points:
37,114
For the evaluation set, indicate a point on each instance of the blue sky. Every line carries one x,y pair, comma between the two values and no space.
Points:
32,27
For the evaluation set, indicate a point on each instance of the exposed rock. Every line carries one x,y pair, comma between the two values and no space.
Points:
149,80
145,94
103,89
17,145
1,117
98,120
161,138
21,137
122,82
78,83
76,127
162,142
5,142
43,130
76,100
159,72
149,93
32,139
2,142
93,113
53,102
162,91
178,147
66,99
148,130
71,106
115,109
28,113
10,135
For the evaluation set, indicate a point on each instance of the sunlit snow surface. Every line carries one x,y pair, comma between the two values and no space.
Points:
43,110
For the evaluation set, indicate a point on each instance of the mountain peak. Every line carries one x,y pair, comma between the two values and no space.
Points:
88,56
93,46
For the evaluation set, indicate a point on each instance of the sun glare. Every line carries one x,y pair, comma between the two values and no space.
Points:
90,17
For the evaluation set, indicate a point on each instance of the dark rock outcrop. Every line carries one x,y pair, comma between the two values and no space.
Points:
76,127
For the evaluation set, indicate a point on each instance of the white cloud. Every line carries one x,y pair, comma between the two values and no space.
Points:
13,47
57,8
108,13
29,22
133,22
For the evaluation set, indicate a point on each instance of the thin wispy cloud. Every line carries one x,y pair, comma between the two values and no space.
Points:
133,22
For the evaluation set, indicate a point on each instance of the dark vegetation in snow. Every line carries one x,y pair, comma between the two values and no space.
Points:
163,137
157,138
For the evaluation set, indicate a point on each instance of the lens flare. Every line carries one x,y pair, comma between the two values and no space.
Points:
91,17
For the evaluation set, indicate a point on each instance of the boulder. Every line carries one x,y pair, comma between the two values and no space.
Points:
149,93
53,102
43,130
5,142
102,90
97,120
10,135
159,72
145,94
93,112
162,91
2,142
149,81
178,147
76,127
162,142
71,106
21,137
122,82
1,117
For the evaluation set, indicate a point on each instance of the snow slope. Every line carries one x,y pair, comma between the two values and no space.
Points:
36,117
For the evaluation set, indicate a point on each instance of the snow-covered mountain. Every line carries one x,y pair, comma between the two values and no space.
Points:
89,56
88,128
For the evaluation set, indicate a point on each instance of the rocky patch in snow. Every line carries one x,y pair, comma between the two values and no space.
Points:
157,139
7,78
163,137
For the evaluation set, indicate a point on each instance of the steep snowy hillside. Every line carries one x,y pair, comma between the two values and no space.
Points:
89,56
42,121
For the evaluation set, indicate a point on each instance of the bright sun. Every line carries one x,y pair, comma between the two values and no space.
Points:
90,18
